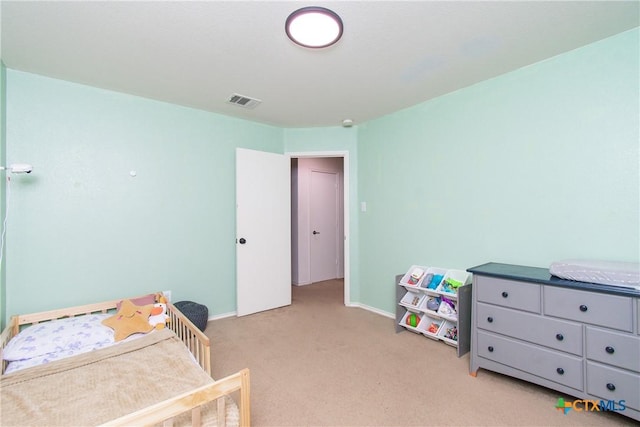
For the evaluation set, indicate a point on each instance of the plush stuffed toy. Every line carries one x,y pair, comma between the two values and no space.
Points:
161,298
129,319
158,317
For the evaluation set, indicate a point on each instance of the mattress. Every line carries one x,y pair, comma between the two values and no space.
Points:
100,385
625,274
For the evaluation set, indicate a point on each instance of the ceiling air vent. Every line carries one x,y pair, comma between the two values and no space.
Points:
243,101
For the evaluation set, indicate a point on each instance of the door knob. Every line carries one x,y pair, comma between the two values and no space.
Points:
316,232
242,240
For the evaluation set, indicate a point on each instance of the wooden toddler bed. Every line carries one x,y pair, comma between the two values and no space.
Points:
152,379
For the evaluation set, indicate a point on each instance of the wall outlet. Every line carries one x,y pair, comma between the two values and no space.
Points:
167,294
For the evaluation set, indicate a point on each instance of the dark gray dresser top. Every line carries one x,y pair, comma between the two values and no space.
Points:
542,275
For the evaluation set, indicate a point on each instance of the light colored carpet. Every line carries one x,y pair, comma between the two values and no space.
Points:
319,363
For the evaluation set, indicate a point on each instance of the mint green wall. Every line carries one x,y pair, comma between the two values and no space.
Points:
82,229
3,145
335,139
530,167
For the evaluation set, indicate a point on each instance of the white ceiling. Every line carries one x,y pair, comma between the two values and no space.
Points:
393,54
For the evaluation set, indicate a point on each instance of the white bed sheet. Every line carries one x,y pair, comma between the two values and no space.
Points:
58,339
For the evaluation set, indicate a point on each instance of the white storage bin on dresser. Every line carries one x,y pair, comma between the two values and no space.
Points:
449,320
583,337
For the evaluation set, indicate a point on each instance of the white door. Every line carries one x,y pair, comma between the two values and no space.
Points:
324,226
263,231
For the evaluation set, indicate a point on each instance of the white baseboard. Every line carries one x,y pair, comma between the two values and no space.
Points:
302,283
222,316
373,309
354,305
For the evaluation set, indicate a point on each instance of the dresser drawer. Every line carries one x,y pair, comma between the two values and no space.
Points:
508,293
613,348
613,384
589,307
558,334
551,365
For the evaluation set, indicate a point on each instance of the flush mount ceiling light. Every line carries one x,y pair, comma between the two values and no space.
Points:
314,27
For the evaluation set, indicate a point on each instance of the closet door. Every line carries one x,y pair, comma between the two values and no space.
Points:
324,226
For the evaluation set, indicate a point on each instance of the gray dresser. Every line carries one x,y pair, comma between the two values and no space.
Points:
581,339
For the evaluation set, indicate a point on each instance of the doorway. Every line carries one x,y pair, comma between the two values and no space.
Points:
319,203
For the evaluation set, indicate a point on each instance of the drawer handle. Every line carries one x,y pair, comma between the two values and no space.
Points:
560,371
490,348
559,337
583,308
490,319
610,349
505,294
611,387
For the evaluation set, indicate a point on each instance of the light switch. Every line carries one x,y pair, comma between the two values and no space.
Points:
363,206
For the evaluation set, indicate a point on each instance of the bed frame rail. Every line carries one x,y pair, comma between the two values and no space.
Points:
5,336
191,401
192,337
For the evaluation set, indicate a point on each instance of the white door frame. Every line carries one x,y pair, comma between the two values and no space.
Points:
346,209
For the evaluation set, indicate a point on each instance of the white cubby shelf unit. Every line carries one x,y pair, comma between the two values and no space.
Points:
439,300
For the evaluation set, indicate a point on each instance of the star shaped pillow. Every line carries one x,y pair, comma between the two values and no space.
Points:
130,319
